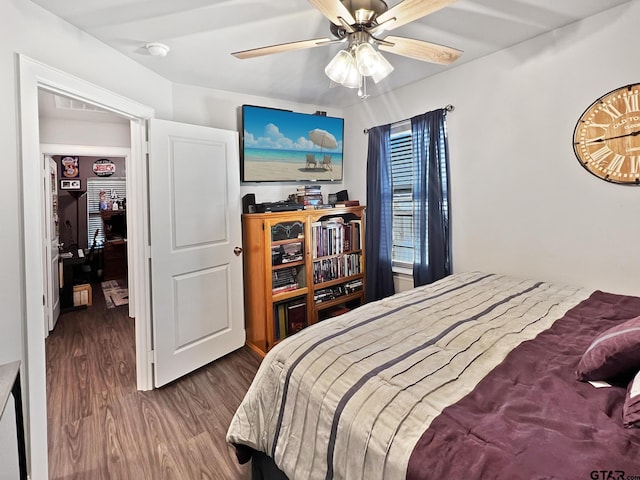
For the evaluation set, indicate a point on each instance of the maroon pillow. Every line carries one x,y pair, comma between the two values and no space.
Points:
631,408
612,353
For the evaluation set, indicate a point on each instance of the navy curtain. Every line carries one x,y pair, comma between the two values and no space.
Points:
378,233
430,197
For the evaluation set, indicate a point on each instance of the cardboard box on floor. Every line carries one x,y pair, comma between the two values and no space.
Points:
82,295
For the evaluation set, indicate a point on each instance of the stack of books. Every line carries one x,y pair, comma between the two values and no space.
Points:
309,195
289,318
284,280
329,293
353,286
348,203
286,253
292,252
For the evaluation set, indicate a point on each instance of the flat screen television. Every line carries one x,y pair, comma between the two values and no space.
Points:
282,146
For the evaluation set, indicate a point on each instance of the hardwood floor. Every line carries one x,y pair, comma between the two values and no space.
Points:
100,427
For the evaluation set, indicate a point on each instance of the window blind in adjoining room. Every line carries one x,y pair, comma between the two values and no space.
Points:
94,219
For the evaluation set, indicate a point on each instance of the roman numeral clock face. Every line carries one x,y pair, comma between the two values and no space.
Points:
606,139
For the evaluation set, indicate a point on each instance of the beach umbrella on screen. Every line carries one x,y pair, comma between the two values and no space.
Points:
322,138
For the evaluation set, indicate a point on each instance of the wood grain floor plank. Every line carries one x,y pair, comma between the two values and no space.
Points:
80,454
100,427
225,458
204,465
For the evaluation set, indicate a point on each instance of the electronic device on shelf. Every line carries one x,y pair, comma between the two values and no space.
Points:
277,207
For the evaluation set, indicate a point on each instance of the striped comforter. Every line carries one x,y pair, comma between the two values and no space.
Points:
348,398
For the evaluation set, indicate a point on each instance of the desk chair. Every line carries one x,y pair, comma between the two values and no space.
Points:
91,269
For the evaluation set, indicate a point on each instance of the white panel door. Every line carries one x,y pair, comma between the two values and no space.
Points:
196,278
52,277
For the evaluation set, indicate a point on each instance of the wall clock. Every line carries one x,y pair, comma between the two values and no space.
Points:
606,139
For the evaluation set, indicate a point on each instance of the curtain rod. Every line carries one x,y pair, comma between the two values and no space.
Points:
448,108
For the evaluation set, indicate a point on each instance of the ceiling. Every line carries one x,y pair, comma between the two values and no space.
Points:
203,33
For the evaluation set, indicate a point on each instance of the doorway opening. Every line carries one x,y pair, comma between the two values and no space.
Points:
91,224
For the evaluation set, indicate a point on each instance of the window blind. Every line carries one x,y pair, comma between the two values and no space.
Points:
94,220
401,152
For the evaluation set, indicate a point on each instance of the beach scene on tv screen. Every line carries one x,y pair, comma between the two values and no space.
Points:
287,146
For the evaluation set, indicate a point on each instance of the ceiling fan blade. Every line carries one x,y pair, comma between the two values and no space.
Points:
282,47
419,50
334,10
410,10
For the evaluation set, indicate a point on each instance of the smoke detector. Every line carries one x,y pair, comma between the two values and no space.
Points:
156,49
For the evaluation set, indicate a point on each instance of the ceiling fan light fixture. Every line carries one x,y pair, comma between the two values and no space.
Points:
338,68
350,67
383,70
358,24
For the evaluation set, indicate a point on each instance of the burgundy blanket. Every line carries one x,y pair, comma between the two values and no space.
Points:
531,419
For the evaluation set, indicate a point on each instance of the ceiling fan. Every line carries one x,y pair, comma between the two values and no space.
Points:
359,24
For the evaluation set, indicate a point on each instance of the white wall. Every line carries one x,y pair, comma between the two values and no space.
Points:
221,109
521,202
73,132
27,29
402,282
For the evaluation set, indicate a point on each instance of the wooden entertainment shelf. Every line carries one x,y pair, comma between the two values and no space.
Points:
300,267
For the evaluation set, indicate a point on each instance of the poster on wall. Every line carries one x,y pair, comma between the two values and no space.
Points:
70,167
103,167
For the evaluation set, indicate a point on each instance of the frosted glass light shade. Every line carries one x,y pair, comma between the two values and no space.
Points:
384,68
366,59
353,77
338,68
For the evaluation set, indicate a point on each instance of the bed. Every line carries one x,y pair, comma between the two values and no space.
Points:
473,376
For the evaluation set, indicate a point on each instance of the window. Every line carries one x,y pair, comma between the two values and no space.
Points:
401,152
404,236
94,220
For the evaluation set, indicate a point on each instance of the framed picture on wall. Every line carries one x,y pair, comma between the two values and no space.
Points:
282,146
70,184
70,167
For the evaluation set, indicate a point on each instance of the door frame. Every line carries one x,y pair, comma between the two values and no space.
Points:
34,75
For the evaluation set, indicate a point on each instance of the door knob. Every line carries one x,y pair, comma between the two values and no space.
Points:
237,251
